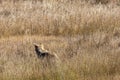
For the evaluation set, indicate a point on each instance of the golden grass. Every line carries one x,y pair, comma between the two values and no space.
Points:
57,18
79,59
85,36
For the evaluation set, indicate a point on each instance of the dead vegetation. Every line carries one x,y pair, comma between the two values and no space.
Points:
84,34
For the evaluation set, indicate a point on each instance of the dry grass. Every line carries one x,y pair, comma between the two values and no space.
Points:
80,60
85,36
57,18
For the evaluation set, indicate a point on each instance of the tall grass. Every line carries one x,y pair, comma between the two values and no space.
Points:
84,34
80,60
57,18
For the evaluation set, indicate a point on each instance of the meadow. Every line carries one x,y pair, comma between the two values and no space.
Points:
85,34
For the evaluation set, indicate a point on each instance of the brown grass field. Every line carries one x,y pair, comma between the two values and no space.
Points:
85,34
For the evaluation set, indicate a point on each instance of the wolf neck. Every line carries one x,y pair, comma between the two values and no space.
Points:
43,49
